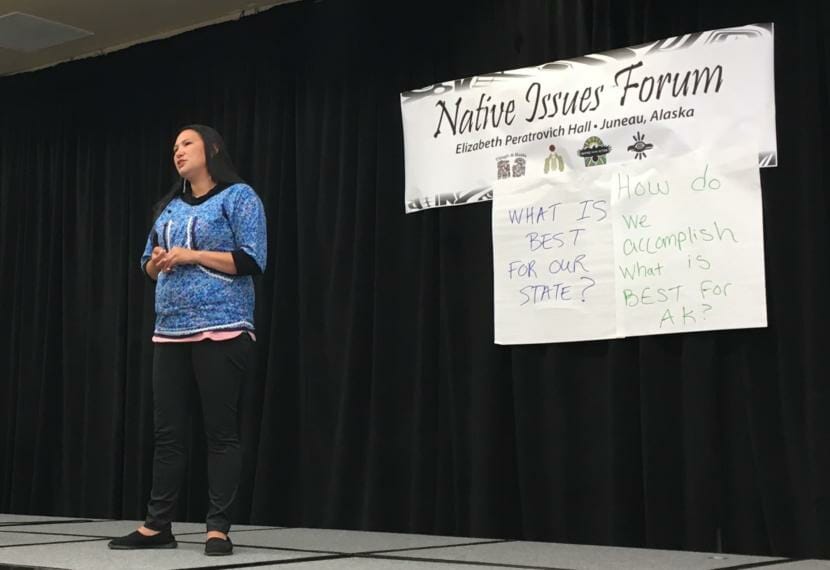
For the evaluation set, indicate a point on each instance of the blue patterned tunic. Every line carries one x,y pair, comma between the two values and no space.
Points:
192,298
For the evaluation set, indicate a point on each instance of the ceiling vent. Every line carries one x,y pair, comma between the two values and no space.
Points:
27,33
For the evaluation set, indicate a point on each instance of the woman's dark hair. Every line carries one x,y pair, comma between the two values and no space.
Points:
218,161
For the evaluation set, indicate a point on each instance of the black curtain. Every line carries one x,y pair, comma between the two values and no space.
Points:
380,401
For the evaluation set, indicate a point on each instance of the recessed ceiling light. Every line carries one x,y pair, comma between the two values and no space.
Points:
27,33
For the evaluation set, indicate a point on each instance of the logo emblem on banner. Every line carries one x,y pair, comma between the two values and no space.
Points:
640,147
505,169
594,151
554,162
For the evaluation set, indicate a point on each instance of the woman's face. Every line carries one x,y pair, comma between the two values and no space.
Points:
189,154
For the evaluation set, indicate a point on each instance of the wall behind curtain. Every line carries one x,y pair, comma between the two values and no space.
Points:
379,400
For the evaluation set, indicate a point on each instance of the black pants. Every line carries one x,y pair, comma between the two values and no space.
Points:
218,370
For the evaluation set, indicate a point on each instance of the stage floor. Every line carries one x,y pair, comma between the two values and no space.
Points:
61,543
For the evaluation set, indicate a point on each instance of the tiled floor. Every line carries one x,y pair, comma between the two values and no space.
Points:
60,543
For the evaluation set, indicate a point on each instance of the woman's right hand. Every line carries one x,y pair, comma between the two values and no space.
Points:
153,266
157,254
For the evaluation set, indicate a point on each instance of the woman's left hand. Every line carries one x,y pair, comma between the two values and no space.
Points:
178,256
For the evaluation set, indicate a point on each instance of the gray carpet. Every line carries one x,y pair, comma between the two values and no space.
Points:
341,541
60,543
113,528
579,557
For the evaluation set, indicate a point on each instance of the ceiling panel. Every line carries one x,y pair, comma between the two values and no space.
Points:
117,24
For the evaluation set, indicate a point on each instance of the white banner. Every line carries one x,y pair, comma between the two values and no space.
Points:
654,101
630,249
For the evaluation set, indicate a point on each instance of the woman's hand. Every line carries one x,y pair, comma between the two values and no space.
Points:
166,260
158,253
153,265
176,256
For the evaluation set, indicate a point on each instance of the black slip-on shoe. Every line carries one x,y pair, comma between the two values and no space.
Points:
218,546
135,541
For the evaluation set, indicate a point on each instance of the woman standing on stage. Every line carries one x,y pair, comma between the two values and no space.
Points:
207,241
